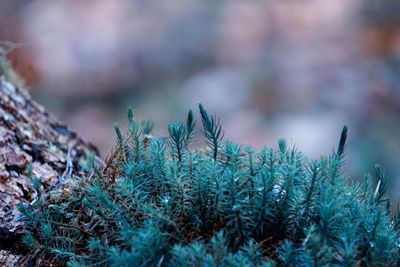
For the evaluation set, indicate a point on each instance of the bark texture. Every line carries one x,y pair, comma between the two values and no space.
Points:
30,138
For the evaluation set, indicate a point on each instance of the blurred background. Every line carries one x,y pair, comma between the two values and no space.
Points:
290,69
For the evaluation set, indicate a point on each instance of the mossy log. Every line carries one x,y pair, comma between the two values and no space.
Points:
33,143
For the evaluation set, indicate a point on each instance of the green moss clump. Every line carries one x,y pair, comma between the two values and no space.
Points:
159,203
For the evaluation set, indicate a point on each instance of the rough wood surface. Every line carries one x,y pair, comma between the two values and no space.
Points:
7,258
29,136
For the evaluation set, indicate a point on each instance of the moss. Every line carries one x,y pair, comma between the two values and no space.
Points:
159,202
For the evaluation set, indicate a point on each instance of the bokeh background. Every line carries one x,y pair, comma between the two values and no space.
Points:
270,69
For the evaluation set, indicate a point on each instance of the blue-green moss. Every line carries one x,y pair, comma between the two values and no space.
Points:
159,203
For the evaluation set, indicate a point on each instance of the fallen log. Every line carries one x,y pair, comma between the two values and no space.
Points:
33,143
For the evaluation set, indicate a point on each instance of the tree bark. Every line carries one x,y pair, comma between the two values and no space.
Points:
30,139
